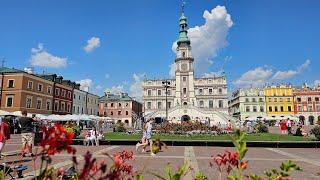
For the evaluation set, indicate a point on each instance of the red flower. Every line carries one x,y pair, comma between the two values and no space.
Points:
56,139
244,165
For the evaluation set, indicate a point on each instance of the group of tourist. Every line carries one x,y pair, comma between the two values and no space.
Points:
287,127
92,136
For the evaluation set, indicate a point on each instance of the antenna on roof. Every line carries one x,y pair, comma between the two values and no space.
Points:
2,62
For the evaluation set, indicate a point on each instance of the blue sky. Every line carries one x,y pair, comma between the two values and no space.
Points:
268,41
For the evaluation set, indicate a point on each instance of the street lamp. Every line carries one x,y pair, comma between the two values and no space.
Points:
166,84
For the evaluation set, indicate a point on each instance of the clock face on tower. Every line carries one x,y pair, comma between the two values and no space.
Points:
184,66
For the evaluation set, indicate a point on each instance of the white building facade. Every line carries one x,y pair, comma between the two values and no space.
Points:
248,104
79,102
188,97
92,104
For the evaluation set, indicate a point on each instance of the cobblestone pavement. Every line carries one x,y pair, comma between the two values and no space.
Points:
260,159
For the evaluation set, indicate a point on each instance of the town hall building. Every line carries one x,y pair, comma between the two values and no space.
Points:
186,97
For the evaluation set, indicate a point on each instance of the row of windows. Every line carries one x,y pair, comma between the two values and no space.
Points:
119,105
62,107
309,99
184,91
84,99
39,87
281,109
308,109
38,103
159,92
62,93
201,104
280,99
120,113
254,100
254,109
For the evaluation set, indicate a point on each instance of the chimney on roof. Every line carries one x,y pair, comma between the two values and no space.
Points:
107,93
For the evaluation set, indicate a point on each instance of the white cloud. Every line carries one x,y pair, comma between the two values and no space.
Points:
259,76
317,83
40,57
254,78
98,87
107,76
209,38
85,84
136,90
92,44
115,89
213,74
280,75
172,71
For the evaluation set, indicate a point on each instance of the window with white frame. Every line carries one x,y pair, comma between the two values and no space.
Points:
159,105
56,105
29,102
220,91
247,108
48,105
210,103
201,103
148,105
30,85
49,89
149,92
254,108
40,87
300,108
261,109
57,91
220,104
210,91
39,103
62,107
200,91
159,92
9,101
11,83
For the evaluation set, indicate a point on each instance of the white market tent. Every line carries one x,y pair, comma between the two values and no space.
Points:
4,113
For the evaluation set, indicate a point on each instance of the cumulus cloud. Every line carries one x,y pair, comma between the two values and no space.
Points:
280,75
172,71
209,38
85,84
136,90
115,89
317,83
261,75
92,44
254,78
40,57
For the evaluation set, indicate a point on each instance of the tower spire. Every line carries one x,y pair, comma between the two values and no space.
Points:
183,31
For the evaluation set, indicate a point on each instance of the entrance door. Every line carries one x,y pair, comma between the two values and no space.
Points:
185,118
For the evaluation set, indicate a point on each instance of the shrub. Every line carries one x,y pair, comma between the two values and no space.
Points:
316,132
261,128
120,127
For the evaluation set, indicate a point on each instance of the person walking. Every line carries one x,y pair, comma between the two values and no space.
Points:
148,128
144,141
4,134
27,134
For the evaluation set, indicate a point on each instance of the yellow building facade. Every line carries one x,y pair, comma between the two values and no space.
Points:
279,102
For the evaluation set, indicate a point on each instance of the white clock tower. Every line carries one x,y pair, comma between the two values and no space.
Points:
185,94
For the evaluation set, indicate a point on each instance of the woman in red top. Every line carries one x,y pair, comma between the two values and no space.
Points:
4,134
283,127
